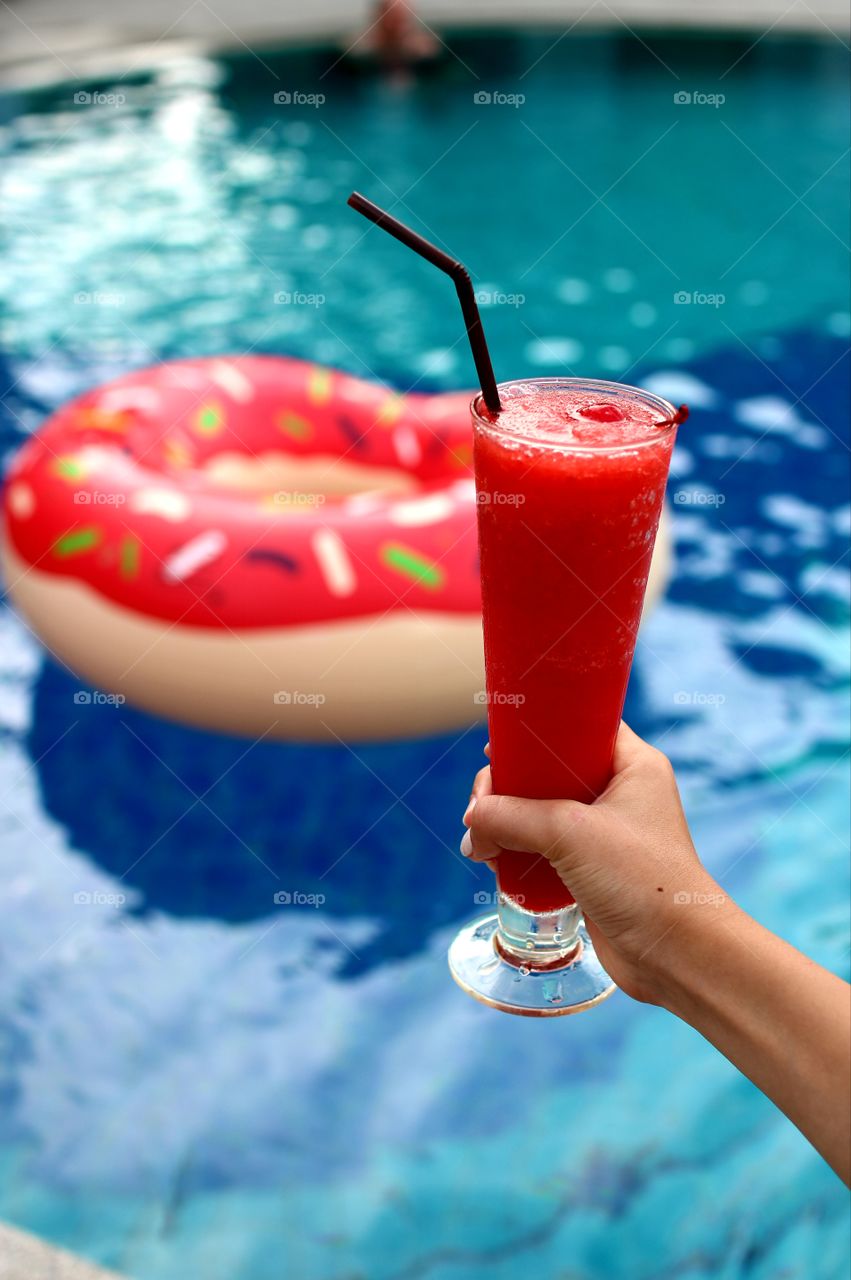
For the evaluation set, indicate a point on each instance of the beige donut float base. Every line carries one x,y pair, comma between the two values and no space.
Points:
154,570
377,678
394,677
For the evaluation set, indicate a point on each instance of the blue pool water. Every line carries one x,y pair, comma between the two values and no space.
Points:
197,1082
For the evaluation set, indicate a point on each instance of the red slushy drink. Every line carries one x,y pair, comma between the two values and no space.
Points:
570,477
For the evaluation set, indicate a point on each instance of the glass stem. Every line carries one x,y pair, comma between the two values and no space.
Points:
537,940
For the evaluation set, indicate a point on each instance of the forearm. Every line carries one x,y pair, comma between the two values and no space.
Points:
784,1021
666,933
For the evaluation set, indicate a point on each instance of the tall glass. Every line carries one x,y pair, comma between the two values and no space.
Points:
570,480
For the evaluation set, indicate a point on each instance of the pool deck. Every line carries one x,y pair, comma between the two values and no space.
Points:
45,41
24,1257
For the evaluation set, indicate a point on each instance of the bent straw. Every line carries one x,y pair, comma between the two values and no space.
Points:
463,287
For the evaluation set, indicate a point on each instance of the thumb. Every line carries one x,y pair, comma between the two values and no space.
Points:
533,826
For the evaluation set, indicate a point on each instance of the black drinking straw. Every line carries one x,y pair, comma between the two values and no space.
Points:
463,287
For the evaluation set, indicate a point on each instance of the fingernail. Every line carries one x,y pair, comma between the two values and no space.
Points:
470,807
467,845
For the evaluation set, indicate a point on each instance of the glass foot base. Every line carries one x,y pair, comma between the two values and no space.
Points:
479,968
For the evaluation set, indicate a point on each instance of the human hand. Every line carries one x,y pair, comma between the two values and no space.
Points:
668,935
628,859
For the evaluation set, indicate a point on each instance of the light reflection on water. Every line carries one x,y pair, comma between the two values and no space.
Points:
190,205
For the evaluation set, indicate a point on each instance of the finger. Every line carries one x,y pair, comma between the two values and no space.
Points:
637,759
476,846
488,750
481,787
629,748
535,826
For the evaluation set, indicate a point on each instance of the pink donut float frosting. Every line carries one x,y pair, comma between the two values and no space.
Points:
252,492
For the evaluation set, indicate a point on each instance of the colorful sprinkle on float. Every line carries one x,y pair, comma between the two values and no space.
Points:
231,526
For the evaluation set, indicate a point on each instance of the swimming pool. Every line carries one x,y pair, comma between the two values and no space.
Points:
200,1082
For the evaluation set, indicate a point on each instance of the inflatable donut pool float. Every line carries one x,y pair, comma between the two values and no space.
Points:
257,545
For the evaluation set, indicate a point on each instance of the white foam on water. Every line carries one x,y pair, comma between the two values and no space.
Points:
681,388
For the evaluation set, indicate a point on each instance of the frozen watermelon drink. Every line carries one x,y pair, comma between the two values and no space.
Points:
570,477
